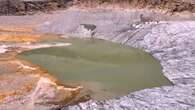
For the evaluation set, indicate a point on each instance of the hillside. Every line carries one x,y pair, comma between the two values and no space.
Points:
23,7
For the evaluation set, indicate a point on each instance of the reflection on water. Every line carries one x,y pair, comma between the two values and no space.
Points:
105,69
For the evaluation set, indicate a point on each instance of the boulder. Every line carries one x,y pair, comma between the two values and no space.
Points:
48,92
86,30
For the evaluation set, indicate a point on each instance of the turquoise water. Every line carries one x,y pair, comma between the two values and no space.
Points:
105,69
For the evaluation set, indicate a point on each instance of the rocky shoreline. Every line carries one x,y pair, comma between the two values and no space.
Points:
170,42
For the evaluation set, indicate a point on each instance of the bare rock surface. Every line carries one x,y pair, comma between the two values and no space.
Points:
48,92
172,43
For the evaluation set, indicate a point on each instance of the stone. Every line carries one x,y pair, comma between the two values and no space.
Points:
48,92
86,30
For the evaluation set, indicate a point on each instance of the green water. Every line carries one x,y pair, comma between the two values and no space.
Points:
105,69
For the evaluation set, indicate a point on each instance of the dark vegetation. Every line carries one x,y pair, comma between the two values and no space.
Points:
172,5
21,7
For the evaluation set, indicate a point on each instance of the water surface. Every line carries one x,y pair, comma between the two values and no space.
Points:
105,69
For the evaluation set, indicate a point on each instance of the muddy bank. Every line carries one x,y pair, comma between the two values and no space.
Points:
170,41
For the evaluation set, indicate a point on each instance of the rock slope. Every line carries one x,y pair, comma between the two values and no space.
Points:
25,7
172,43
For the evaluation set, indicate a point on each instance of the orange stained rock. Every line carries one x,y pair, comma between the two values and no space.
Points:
25,89
15,29
23,34
15,37
16,78
26,37
14,84
25,86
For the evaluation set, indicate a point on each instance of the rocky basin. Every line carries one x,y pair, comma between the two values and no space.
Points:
169,41
172,43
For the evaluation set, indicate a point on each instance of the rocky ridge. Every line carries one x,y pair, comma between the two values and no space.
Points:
26,7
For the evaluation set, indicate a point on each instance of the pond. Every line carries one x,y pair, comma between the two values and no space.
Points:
105,69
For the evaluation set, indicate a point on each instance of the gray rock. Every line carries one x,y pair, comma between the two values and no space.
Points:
86,30
172,43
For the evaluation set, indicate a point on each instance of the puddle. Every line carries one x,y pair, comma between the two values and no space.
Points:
105,69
